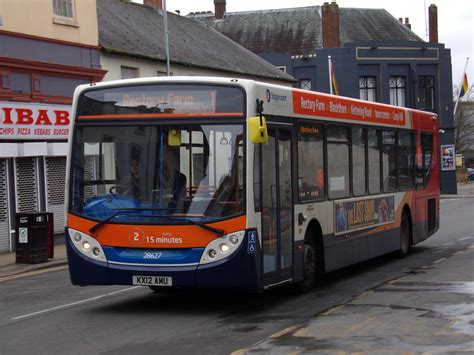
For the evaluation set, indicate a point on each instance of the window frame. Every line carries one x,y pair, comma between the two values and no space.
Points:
365,88
348,144
395,89
322,126
366,159
395,131
129,68
411,133
423,89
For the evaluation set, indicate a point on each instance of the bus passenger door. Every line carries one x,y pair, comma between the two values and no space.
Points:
277,207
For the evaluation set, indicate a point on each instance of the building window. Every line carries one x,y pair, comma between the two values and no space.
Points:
282,68
129,72
5,81
305,84
426,89
367,88
397,90
63,8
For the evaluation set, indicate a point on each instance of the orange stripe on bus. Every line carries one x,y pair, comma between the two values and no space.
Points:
164,236
159,115
321,105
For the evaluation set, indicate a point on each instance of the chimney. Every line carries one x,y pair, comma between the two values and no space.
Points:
157,4
433,23
330,24
219,6
407,22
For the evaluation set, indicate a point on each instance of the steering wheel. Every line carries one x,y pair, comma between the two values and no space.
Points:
124,189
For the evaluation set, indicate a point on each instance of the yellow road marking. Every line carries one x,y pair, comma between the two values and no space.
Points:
285,331
331,310
240,351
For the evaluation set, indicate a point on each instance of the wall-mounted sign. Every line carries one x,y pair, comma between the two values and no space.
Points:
33,121
447,157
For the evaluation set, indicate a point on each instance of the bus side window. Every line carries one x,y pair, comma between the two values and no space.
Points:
310,162
338,161
389,160
359,145
427,146
406,161
374,160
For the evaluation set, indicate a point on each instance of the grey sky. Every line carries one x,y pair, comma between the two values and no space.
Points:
455,20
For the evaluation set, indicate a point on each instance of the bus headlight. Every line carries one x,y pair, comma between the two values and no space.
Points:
233,239
77,237
222,247
86,245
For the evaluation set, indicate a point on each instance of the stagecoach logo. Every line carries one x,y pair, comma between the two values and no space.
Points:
271,96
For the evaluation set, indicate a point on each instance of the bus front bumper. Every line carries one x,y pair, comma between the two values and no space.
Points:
242,269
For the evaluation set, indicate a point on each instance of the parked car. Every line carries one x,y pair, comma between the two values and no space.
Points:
470,174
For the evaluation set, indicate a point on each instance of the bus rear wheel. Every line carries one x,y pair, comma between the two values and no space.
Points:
163,290
309,268
404,236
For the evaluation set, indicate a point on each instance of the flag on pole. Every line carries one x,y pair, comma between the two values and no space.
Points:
335,89
464,86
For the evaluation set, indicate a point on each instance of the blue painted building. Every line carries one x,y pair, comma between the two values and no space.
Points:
375,56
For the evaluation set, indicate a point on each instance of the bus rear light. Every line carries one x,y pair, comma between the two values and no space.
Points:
224,248
212,253
96,251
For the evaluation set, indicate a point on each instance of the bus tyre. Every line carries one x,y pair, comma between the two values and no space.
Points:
163,290
309,268
404,236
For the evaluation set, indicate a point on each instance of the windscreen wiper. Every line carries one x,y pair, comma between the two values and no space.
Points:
104,221
120,211
219,232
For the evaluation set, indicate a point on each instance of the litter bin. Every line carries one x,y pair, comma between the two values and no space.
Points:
34,235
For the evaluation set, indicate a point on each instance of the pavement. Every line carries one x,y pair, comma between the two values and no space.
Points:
9,267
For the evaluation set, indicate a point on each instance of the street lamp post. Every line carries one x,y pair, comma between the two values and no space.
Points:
167,49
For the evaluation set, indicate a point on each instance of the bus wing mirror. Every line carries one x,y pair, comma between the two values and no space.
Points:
257,129
174,137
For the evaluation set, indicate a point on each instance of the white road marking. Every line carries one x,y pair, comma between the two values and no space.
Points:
75,303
